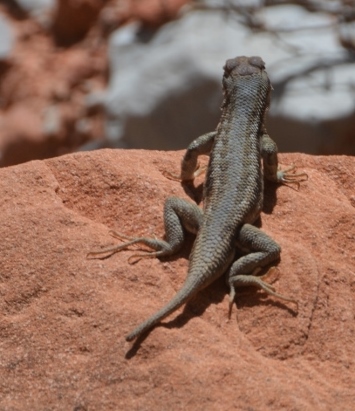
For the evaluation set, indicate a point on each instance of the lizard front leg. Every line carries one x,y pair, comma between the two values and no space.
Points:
179,214
272,172
263,251
190,168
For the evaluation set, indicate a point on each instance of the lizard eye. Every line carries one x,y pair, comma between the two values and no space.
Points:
230,65
257,62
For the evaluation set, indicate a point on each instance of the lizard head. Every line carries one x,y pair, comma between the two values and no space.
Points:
245,70
243,66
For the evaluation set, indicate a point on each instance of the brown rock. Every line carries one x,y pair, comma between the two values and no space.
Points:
63,318
74,18
43,96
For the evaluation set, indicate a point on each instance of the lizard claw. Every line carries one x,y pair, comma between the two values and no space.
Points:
289,176
199,170
120,236
133,259
231,301
107,252
171,176
160,248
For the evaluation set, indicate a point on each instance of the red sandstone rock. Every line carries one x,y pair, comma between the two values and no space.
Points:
74,18
151,12
44,89
63,318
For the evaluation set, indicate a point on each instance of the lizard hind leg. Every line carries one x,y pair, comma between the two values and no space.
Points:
179,215
247,280
161,248
263,251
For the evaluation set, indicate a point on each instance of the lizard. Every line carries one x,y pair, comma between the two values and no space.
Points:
241,155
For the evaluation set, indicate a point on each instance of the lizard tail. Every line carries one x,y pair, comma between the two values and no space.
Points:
181,297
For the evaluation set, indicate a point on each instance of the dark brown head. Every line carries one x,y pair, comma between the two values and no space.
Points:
243,66
243,75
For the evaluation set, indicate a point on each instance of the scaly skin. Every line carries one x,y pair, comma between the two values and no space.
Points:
233,194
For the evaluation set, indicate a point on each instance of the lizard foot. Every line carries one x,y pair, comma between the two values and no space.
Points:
161,248
199,170
289,176
243,280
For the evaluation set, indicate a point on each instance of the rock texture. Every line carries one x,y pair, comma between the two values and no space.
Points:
63,318
42,94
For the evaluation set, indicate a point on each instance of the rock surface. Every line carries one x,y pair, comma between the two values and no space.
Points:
63,318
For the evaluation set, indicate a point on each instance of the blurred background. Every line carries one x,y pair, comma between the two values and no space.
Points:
87,74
